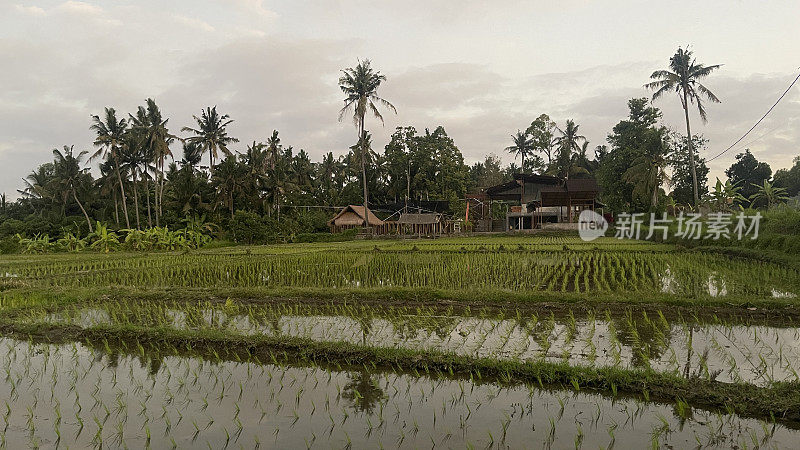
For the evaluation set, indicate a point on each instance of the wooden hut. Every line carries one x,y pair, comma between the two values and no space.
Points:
429,224
353,216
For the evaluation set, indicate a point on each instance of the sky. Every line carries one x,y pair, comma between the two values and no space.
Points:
481,69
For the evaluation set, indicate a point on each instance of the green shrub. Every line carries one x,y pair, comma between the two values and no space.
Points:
9,245
250,228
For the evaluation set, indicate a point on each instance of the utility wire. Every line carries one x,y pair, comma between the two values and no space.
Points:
759,120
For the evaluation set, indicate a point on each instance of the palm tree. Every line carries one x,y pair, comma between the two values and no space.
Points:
273,154
523,144
647,174
135,160
769,192
326,171
36,183
212,133
110,135
229,181
156,139
567,144
684,78
360,86
68,173
107,185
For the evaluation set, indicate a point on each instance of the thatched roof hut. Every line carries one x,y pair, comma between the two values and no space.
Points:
352,216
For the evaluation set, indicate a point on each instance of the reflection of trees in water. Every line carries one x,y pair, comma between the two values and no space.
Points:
409,326
363,391
365,323
647,339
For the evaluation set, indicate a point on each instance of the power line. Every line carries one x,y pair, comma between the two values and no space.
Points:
759,120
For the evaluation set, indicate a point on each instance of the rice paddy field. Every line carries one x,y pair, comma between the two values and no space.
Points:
541,341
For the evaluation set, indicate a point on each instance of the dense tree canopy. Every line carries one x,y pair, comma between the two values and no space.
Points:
748,173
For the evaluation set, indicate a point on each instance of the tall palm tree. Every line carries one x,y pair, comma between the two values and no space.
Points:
68,173
135,160
156,139
684,77
360,86
212,133
229,181
769,192
271,160
110,135
326,171
523,144
567,144
107,185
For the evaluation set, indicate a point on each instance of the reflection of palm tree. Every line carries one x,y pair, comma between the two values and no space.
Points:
365,324
363,391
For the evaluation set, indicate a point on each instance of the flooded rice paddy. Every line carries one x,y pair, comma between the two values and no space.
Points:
92,395
726,349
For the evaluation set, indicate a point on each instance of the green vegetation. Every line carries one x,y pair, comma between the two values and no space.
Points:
128,316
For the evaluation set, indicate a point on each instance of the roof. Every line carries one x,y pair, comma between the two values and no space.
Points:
357,211
497,191
419,219
534,178
582,184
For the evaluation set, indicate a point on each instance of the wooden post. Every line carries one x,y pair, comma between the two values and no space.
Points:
569,202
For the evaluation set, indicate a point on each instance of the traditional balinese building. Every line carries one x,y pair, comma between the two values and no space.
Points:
354,216
537,199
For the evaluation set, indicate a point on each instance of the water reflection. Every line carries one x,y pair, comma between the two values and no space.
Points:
711,348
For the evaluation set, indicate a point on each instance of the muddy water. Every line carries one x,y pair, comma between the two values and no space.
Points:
729,352
77,396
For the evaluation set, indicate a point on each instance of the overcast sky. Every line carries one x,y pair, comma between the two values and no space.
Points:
480,69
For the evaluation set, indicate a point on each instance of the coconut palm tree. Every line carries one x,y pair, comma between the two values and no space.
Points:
135,159
523,145
229,181
684,77
68,173
211,133
110,135
769,192
647,174
568,144
273,154
360,86
156,140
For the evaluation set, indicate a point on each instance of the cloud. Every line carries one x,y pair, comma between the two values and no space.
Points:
32,10
276,66
194,23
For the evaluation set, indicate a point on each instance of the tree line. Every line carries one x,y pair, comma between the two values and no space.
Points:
151,176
